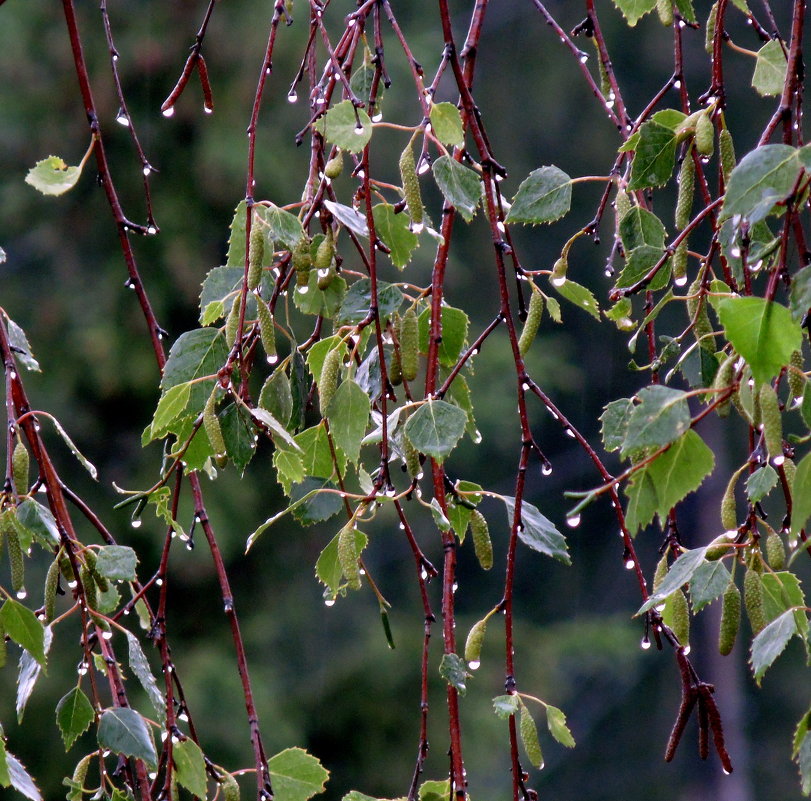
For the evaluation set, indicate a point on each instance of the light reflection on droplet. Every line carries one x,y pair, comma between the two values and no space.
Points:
168,112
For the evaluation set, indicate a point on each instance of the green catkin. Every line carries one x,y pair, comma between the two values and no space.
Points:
256,252
730,619
90,561
796,379
757,415
605,80
232,321
729,513
411,456
718,548
230,787
482,545
328,381
664,8
723,378
753,600
80,771
211,424
89,585
325,278
680,255
697,311
532,322
19,467
726,150
705,135
677,615
325,253
775,551
348,556
772,420
710,29
65,568
300,256
409,345
411,185
267,331
790,469
395,369
334,167
684,199
475,640
16,557
51,583
622,204
660,572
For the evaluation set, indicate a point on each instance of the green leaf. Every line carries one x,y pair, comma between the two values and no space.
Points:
124,731
763,177
358,299
639,262
18,342
239,432
801,293
529,737
39,521
276,396
345,126
781,592
680,470
435,428
687,11
23,626
804,761
454,333
296,775
219,287
197,353
52,176
460,186
762,332
761,483
801,495
680,573
661,417
348,416
537,531
452,668
318,352
190,767
20,779
316,453
173,404
328,567
770,643
289,468
30,670
395,232
140,668
556,721
321,506
614,421
544,196
770,69
283,226
117,562
447,124
579,295
634,10
5,777
435,790
654,157
640,227
324,302
349,217
708,583
506,705
74,714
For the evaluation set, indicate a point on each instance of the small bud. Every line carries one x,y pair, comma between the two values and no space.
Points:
334,166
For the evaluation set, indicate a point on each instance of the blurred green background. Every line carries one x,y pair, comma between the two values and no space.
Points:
324,677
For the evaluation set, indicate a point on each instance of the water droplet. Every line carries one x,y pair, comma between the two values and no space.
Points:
302,290
659,607
136,522
584,57
559,280
168,112
183,716
419,477
72,584
645,644
677,84
22,594
686,650
82,671
474,665
159,582
724,770
147,170
151,230
524,386
423,574
417,228
735,252
423,166
629,564
329,602
208,109
12,374
115,56
292,97
570,433
573,521
122,119
455,586
778,460
350,22
107,635
681,280
546,469
609,103
501,227
377,116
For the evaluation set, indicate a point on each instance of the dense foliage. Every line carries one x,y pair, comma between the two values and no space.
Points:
330,342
